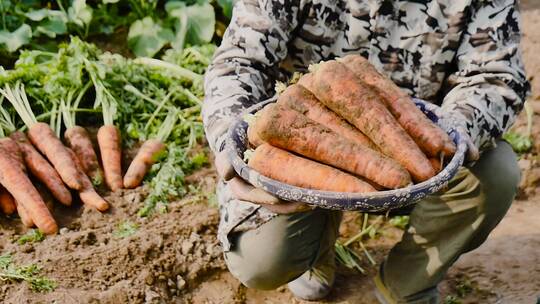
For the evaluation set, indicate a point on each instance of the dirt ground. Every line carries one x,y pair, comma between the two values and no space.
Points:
175,257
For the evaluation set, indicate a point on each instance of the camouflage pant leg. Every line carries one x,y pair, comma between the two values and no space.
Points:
283,248
459,220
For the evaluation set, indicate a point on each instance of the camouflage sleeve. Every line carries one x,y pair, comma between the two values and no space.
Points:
246,65
489,87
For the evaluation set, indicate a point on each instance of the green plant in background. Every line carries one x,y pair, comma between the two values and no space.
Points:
151,25
29,274
400,221
125,229
522,143
183,24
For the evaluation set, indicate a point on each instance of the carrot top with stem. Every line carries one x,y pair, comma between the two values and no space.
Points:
167,125
18,99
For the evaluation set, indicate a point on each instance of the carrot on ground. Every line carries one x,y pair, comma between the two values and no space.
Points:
290,130
15,180
150,152
7,203
143,161
431,139
41,169
300,99
333,85
25,217
88,194
111,155
294,170
43,138
78,139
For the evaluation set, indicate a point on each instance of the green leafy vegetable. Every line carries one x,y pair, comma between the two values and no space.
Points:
519,142
147,37
400,221
12,41
32,236
28,274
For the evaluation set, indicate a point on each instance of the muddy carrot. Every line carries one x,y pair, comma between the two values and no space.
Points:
333,85
25,217
14,179
431,139
294,170
7,203
88,194
288,129
143,161
11,148
111,155
300,99
42,137
253,137
436,164
78,139
42,169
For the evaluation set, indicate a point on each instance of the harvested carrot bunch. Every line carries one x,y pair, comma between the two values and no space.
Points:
345,127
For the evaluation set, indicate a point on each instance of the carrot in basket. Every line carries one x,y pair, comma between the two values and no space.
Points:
88,194
150,152
300,99
43,137
25,217
431,139
109,140
294,170
253,137
14,179
7,203
288,129
333,85
42,170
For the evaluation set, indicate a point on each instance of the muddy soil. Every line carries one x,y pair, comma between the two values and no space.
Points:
175,258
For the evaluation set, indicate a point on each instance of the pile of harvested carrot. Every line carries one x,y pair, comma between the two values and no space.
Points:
345,127
36,165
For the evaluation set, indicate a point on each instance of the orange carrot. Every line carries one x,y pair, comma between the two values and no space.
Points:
431,139
25,217
7,203
42,136
88,194
111,155
143,161
300,99
11,148
14,179
253,137
78,139
436,164
294,170
333,85
287,129
44,139
42,170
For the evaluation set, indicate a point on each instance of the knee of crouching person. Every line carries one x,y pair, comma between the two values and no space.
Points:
263,275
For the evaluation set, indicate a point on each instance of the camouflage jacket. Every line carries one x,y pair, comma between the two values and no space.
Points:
461,54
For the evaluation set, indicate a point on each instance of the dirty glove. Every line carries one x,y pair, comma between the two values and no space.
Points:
454,119
241,190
